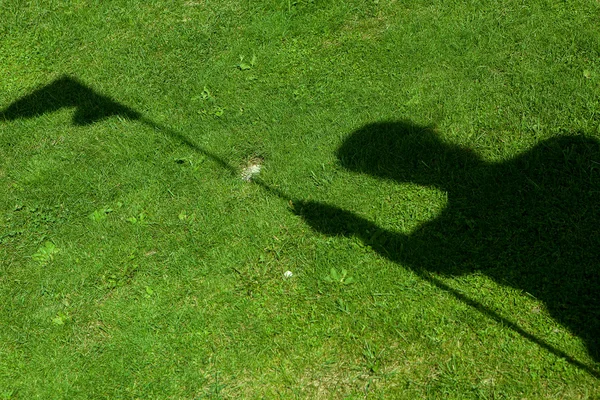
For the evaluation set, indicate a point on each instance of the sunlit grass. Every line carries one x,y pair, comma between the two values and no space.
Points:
137,262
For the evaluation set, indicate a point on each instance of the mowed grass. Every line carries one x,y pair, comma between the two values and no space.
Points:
137,263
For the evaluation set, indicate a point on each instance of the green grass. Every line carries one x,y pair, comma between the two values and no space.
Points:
430,175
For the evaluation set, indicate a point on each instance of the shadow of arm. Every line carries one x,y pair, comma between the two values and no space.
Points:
334,221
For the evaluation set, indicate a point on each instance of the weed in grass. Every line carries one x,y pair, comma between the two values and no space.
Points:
372,357
100,214
242,66
185,217
123,276
61,318
45,253
139,219
340,277
149,292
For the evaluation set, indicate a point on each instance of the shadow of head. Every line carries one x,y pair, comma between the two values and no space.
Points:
404,152
530,221
67,92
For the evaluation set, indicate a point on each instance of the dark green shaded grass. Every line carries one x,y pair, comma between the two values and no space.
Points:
174,287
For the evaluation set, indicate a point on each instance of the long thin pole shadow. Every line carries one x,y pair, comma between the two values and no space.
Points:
493,315
184,140
92,107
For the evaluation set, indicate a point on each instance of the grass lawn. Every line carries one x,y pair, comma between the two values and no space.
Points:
428,171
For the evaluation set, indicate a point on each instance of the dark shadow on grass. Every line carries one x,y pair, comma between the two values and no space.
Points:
531,222
90,107
67,92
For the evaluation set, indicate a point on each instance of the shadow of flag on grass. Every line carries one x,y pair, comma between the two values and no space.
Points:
531,222
90,107
67,92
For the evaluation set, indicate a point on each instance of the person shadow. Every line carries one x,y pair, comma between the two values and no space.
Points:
530,222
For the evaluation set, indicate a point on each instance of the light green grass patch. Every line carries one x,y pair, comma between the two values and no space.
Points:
137,262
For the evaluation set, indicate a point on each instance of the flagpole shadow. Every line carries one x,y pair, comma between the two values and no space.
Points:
531,221
90,107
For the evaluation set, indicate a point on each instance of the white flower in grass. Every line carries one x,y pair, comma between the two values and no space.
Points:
252,169
288,274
